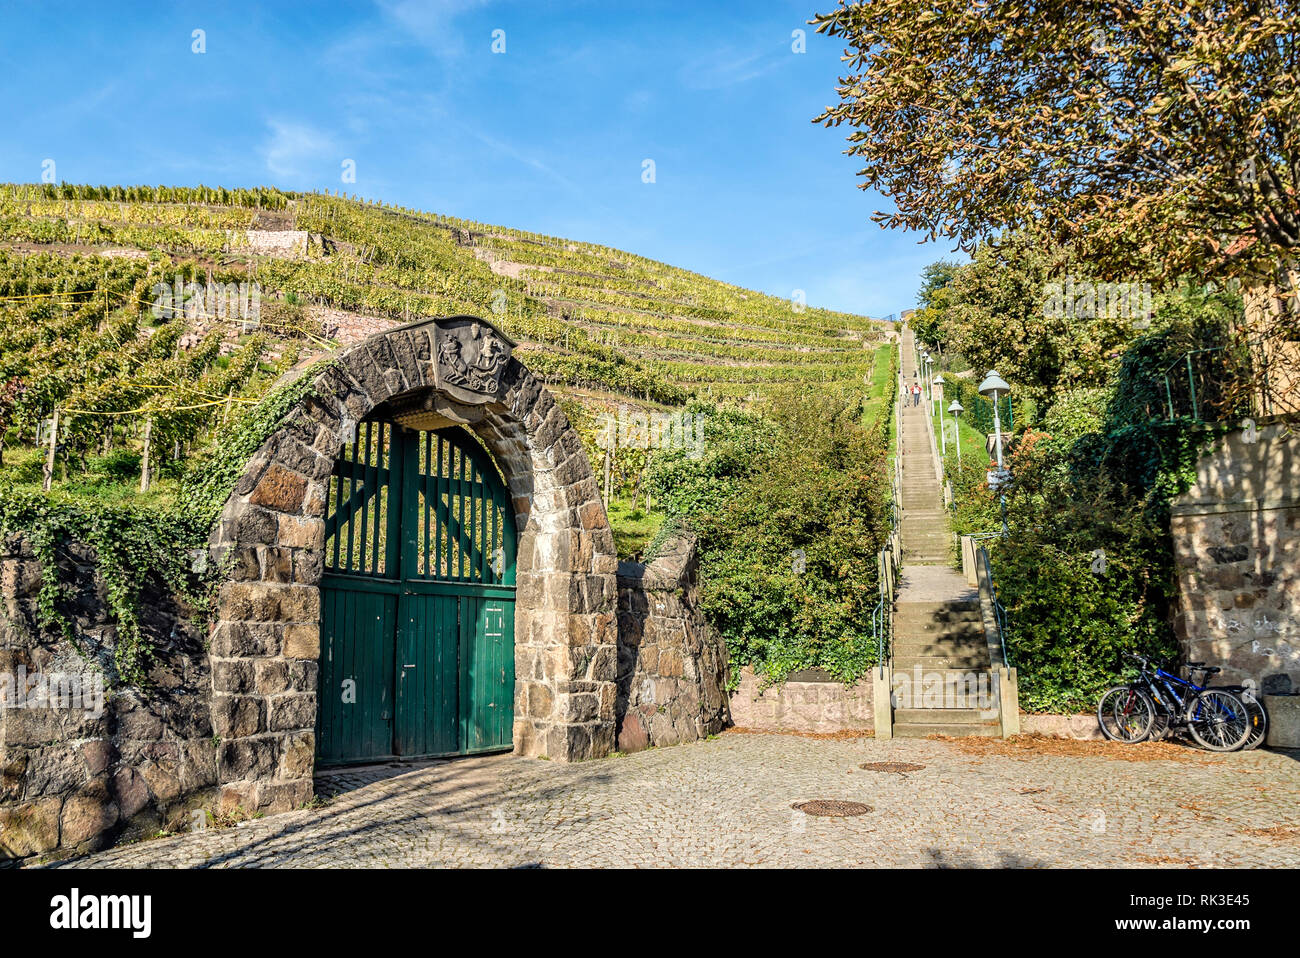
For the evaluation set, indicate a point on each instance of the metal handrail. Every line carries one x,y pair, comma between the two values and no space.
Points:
999,610
878,627
881,624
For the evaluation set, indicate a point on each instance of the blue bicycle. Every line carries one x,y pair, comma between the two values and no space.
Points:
1156,702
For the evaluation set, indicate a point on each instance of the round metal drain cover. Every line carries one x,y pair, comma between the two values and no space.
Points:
899,767
831,808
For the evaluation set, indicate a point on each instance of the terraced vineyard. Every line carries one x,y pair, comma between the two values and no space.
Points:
587,316
80,328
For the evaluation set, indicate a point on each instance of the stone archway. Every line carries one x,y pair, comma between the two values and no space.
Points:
265,639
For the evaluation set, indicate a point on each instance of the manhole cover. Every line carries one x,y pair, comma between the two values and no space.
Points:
831,809
899,767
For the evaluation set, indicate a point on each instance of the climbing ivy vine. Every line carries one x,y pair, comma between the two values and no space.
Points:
168,541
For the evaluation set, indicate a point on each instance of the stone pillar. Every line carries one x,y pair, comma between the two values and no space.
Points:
882,681
1283,720
672,669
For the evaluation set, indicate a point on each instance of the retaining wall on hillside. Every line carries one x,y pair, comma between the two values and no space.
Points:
277,244
81,762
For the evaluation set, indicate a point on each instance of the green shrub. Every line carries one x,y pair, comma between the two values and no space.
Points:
1087,571
120,465
791,509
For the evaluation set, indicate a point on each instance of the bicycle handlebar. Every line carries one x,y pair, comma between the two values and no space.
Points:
1146,663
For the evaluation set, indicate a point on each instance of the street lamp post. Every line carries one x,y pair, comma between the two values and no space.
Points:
956,408
935,398
992,385
925,379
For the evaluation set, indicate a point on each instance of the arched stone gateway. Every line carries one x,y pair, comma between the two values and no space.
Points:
266,639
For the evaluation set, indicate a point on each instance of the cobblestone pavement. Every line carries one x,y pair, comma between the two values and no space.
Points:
727,802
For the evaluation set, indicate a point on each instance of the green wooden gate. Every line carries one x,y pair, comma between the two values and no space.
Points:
417,600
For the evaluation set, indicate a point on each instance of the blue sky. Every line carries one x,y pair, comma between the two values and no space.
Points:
550,135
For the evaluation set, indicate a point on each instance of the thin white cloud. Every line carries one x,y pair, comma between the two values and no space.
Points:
521,156
638,100
296,149
726,68
431,23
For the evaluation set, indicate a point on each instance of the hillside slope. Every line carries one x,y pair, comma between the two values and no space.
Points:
586,316
98,317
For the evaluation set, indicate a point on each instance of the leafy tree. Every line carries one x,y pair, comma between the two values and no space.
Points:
1154,133
994,312
933,297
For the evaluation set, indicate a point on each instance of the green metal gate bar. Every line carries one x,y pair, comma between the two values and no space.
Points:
417,631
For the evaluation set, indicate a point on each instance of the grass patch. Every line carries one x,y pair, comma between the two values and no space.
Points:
634,528
112,480
974,451
881,383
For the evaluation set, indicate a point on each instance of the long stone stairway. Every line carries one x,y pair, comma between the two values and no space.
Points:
942,672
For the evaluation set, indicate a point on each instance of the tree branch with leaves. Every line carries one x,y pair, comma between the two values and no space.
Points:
1157,139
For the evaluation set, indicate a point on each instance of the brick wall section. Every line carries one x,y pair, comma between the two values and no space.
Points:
1236,536
802,706
71,779
672,670
347,328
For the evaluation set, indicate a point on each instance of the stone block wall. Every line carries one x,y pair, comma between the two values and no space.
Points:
278,244
1236,537
672,671
1081,727
803,706
349,328
78,770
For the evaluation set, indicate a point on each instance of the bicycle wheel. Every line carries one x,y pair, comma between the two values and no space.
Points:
1126,714
1218,722
1258,719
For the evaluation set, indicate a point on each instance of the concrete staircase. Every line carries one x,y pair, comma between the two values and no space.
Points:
942,673
943,679
927,540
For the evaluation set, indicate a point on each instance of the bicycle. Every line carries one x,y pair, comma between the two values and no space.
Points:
1256,714
1216,719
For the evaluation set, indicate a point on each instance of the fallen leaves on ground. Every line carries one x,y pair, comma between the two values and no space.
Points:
1034,745
1165,860
1280,833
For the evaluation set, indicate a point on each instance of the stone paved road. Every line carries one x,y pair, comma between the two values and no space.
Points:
728,802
